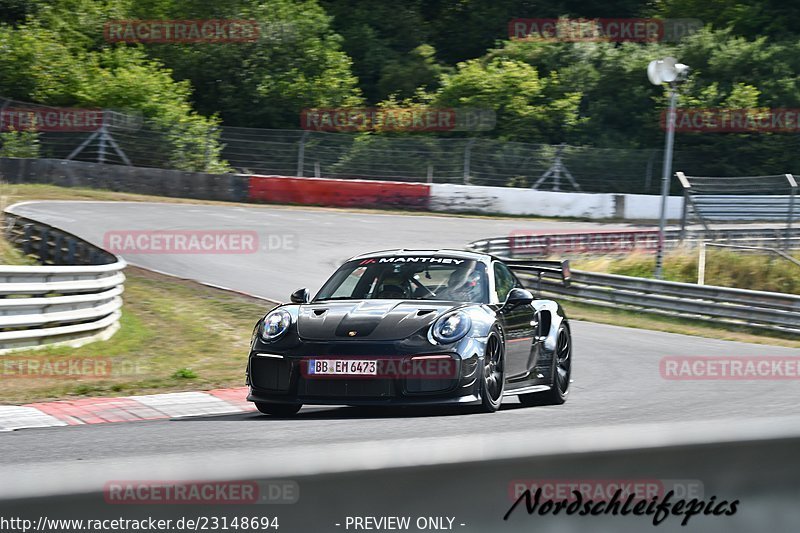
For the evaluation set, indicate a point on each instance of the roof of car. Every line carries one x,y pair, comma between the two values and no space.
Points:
443,252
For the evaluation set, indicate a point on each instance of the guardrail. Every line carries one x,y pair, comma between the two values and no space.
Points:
74,297
739,198
531,244
706,303
329,484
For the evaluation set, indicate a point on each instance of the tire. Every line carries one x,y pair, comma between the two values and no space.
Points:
493,377
561,373
278,409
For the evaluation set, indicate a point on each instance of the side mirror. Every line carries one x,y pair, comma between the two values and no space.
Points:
300,296
517,297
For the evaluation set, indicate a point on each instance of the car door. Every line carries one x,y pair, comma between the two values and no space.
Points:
519,323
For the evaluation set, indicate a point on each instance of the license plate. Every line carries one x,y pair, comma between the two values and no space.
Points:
342,367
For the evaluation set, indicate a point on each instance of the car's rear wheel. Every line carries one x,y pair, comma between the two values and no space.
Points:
493,377
562,372
278,409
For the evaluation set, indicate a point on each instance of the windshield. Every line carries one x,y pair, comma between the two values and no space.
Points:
408,278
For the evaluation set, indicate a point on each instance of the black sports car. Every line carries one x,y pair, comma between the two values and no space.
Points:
413,327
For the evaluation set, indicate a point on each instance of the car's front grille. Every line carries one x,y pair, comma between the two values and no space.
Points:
418,386
346,388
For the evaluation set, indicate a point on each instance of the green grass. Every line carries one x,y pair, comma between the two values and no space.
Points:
175,335
724,267
9,255
635,319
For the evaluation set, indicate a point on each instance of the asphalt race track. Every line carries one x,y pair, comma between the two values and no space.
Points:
616,373
298,247
617,380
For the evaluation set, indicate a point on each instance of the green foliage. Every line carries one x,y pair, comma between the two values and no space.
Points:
389,44
22,143
417,70
337,53
382,35
410,156
749,18
16,11
184,373
529,107
44,66
725,268
619,108
297,62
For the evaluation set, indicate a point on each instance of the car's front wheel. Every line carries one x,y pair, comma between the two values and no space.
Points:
278,409
493,378
562,372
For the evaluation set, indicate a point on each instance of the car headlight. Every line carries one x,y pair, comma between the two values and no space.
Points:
451,327
275,324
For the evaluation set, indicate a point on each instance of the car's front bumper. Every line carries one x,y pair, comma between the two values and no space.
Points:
275,378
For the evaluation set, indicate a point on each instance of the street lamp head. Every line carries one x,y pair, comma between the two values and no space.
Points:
666,70
682,71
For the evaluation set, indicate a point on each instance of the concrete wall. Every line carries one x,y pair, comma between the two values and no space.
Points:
155,181
342,193
647,207
513,201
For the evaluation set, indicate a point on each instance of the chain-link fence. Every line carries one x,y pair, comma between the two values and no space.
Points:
112,137
478,161
107,136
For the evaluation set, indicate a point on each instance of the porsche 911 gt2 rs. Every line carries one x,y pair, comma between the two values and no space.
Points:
411,327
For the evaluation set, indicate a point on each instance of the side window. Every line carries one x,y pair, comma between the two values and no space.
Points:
504,281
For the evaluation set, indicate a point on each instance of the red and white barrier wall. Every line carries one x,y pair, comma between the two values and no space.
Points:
338,193
457,198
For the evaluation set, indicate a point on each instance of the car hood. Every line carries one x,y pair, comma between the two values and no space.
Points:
372,320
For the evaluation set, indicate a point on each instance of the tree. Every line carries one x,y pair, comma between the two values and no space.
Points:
777,19
297,62
39,66
22,143
529,107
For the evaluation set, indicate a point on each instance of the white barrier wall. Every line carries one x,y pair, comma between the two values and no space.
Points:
513,201
646,206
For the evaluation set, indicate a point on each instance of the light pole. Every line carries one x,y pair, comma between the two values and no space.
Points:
660,71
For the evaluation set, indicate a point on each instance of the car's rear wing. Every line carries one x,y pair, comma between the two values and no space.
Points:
550,269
